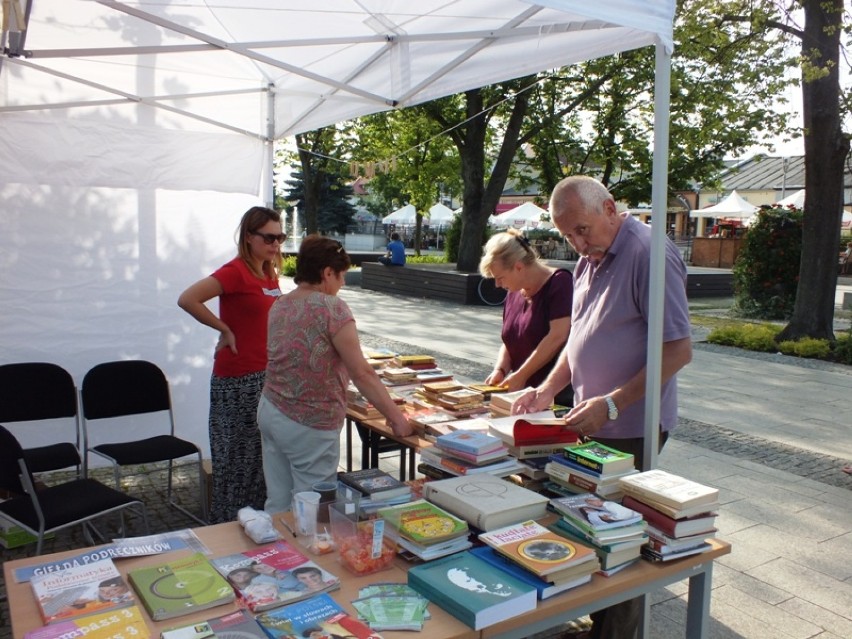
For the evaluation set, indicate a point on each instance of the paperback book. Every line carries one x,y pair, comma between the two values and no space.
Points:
235,625
485,501
654,555
125,623
375,483
320,614
609,537
532,429
457,466
472,590
674,491
180,586
471,442
391,606
273,574
423,522
80,591
701,523
544,588
599,458
539,550
592,514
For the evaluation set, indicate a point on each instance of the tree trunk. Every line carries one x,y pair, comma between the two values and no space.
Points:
826,149
311,185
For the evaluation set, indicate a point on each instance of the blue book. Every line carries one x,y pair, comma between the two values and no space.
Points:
320,614
469,441
472,590
544,588
562,459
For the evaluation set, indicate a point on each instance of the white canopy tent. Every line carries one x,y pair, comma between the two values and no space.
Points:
440,214
733,206
134,134
796,199
526,214
404,215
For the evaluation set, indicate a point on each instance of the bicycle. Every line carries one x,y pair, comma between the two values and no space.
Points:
489,293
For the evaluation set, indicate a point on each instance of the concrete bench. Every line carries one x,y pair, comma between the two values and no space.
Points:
709,285
427,281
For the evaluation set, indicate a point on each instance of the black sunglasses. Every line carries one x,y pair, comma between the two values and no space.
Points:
269,238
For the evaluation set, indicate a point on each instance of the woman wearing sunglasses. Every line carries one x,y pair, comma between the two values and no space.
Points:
246,287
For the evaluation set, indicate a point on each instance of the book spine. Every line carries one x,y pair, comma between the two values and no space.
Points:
654,517
562,460
584,462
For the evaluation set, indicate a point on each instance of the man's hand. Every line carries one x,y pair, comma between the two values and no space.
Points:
532,402
588,417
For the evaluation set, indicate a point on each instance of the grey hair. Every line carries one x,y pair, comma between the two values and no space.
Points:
591,193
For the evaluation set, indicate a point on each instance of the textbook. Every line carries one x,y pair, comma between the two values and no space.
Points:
272,575
234,625
79,591
320,614
485,501
472,590
375,483
125,623
180,586
544,588
539,550
599,458
424,523
674,491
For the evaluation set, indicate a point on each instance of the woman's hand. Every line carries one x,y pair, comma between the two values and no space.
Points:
227,339
496,377
402,429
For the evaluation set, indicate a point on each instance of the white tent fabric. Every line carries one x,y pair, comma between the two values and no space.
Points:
526,214
440,214
405,215
135,133
796,199
733,206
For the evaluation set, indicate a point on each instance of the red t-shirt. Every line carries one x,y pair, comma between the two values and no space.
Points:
244,306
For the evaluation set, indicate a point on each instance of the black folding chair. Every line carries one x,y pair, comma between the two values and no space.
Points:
44,511
135,387
38,392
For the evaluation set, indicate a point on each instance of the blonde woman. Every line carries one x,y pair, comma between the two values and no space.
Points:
536,314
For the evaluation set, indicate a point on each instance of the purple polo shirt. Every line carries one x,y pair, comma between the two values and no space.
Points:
609,324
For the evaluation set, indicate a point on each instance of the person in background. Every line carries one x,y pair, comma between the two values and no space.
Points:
606,353
396,252
246,287
536,314
313,353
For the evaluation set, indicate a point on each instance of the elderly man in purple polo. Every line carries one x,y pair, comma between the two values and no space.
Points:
606,351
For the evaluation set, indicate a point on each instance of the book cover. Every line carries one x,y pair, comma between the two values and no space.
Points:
461,396
528,451
374,482
545,589
599,458
669,489
79,591
320,614
603,538
485,501
273,574
471,442
704,522
235,625
410,550
532,429
423,522
181,586
593,514
504,401
124,623
538,549
662,543
455,465
472,590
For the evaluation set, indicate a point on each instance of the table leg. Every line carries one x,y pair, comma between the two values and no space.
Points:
348,445
402,463
375,438
411,459
698,605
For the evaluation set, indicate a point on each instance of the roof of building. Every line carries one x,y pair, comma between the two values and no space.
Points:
762,173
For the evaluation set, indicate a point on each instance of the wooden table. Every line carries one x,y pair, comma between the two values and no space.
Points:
638,580
372,432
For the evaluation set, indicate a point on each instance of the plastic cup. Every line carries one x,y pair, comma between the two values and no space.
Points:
328,494
305,510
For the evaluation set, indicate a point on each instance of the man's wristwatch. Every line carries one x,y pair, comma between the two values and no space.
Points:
612,409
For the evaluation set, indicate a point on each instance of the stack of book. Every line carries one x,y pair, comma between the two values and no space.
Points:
533,435
430,391
615,532
463,452
542,558
680,513
470,424
398,376
426,421
377,488
462,402
361,407
488,390
425,531
416,362
589,467
501,403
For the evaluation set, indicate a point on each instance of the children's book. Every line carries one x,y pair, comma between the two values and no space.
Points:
539,550
273,574
423,522
320,614
79,591
180,586
125,623
234,625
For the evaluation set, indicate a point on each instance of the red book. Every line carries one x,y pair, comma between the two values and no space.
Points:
673,527
525,431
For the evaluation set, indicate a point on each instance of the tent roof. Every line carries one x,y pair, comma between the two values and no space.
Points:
796,199
520,216
404,215
440,213
220,63
732,206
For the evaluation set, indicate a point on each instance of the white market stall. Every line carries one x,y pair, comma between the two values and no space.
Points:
135,134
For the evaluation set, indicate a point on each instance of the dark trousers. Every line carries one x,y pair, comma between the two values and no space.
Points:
621,621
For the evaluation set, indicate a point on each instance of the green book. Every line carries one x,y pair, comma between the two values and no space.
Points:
180,586
423,522
599,458
472,590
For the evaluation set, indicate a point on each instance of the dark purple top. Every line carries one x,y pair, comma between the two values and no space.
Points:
526,322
